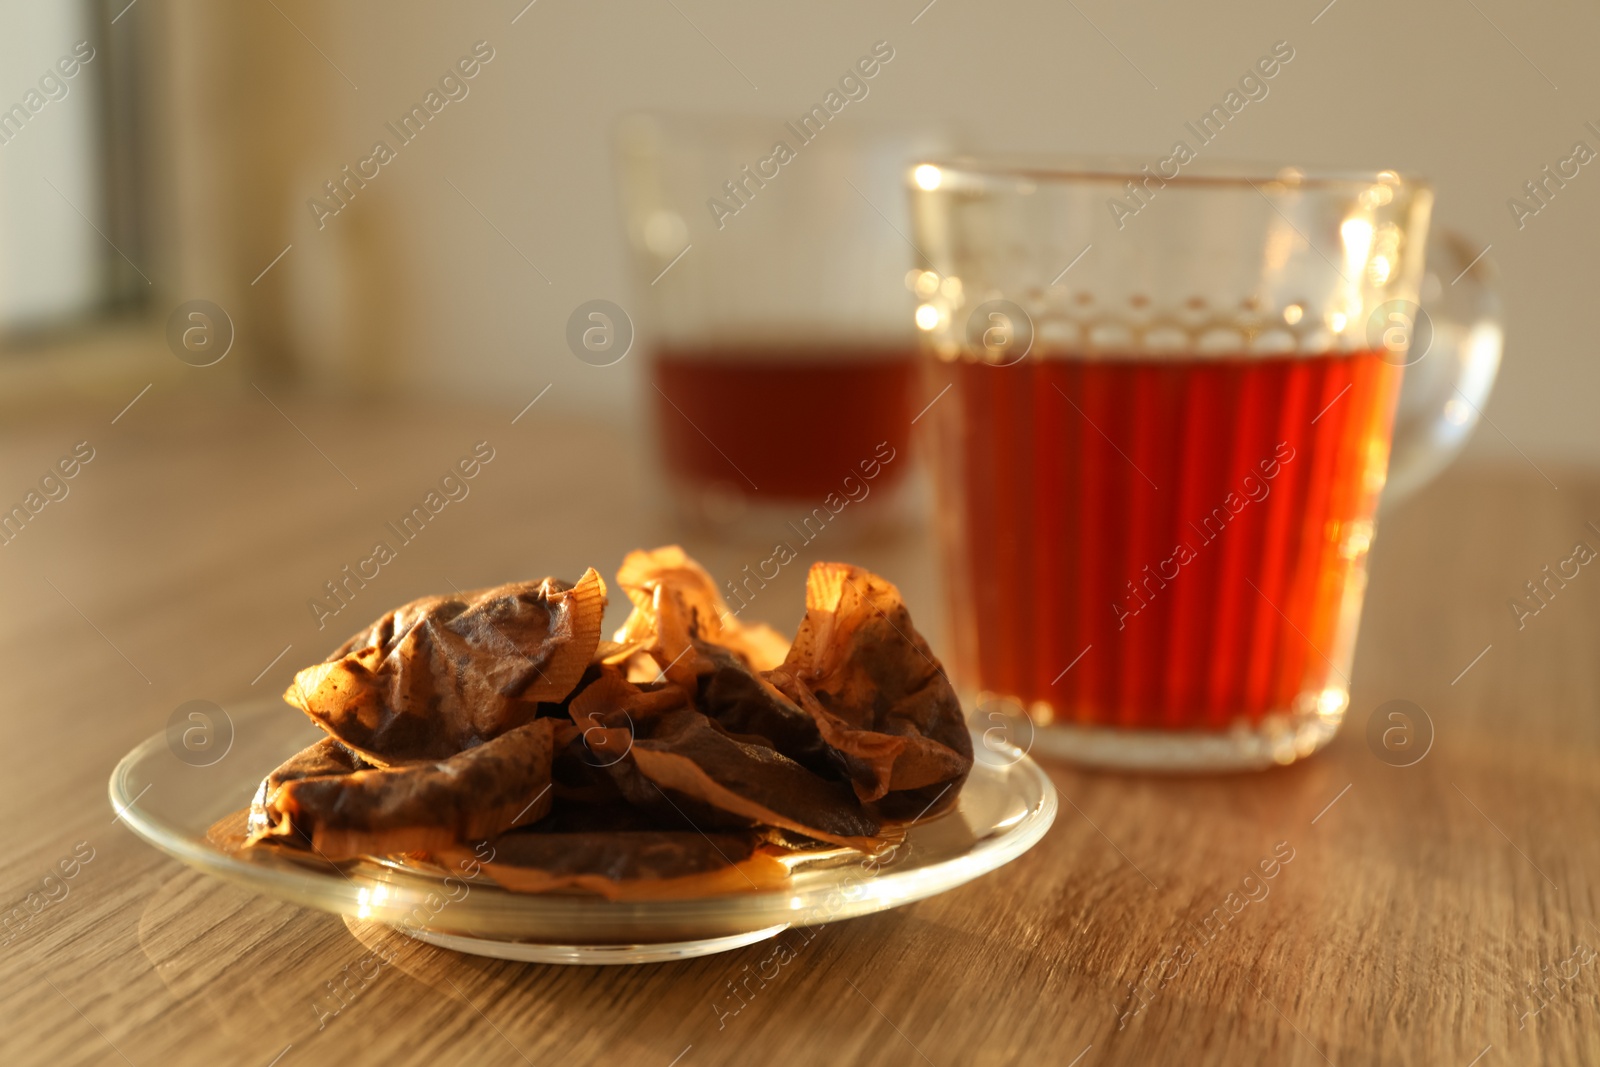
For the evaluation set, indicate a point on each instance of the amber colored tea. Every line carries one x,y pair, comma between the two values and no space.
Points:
1166,543
778,424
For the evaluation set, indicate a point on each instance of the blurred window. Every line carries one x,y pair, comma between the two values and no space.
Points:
68,247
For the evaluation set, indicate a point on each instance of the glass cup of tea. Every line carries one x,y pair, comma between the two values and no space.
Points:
1161,422
769,259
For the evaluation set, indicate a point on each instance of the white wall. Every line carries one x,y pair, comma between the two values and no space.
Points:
1430,87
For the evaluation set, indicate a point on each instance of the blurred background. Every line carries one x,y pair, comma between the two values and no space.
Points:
181,158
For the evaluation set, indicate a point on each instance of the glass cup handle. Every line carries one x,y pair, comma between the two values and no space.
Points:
1459,333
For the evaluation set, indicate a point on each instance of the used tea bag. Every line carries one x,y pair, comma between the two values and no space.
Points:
873,687
630,864
687,756
676,605
476,794
442,674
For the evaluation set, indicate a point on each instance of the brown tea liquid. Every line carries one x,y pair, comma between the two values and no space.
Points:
1199,525
777,423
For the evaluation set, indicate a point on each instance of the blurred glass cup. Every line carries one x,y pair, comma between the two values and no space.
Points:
770,268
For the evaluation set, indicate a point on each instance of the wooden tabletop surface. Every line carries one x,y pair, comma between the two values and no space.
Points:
1438,913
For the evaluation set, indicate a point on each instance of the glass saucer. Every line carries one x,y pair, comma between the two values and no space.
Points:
1004,809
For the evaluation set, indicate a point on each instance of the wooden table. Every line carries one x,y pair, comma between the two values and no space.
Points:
1418,908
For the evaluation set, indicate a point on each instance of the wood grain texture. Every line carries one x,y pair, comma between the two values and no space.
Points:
1419,905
